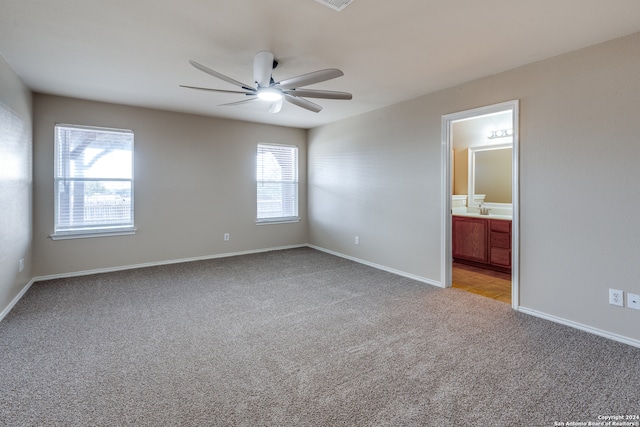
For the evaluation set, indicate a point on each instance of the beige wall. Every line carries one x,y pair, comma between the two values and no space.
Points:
379,175
194,181
15,185
461,171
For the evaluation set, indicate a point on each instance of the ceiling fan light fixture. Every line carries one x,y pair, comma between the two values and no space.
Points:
269,94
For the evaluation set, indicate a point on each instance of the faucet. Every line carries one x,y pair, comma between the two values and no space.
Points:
483,210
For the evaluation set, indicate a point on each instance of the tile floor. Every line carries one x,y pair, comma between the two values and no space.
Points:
488,283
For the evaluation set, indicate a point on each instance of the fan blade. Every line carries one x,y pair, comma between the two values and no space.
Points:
310,78
262,68
221,76
301,102
326,94
244,101
217,90
276,106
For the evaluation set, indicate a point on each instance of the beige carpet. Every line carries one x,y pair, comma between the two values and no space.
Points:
295,338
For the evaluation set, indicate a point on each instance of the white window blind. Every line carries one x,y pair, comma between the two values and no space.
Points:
277,183
93,180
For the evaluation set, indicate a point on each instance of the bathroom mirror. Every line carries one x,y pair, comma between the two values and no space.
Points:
490,174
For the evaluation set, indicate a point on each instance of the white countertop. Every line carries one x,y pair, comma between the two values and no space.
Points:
477,215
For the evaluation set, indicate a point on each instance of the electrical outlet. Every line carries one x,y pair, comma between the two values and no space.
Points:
226,237
616,297
633,301
21,265
357,240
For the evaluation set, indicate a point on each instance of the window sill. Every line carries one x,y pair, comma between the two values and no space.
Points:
90,234
276,221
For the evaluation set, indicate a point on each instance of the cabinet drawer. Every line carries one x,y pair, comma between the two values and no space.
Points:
500,240
501,257
502,226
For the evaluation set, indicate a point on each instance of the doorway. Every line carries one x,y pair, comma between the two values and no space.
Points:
498,125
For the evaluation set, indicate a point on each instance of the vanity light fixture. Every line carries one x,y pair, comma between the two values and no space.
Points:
502,133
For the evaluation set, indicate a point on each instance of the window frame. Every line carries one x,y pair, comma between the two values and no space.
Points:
88,231
296,181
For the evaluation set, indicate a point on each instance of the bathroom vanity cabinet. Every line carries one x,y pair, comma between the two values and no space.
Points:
483,242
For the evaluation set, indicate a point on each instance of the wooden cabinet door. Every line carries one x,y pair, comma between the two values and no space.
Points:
470,238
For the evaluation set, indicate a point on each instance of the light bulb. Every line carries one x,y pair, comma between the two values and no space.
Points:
269,94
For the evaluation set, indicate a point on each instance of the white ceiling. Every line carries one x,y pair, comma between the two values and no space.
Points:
137,52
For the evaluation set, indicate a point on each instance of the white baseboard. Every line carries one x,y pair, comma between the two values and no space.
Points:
14,301
159,263
381,267
580,326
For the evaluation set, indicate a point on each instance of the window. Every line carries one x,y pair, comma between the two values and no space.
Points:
93,176
277,183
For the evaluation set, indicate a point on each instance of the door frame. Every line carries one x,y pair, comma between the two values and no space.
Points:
447,144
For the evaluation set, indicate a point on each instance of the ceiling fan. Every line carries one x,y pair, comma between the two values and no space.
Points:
277,92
